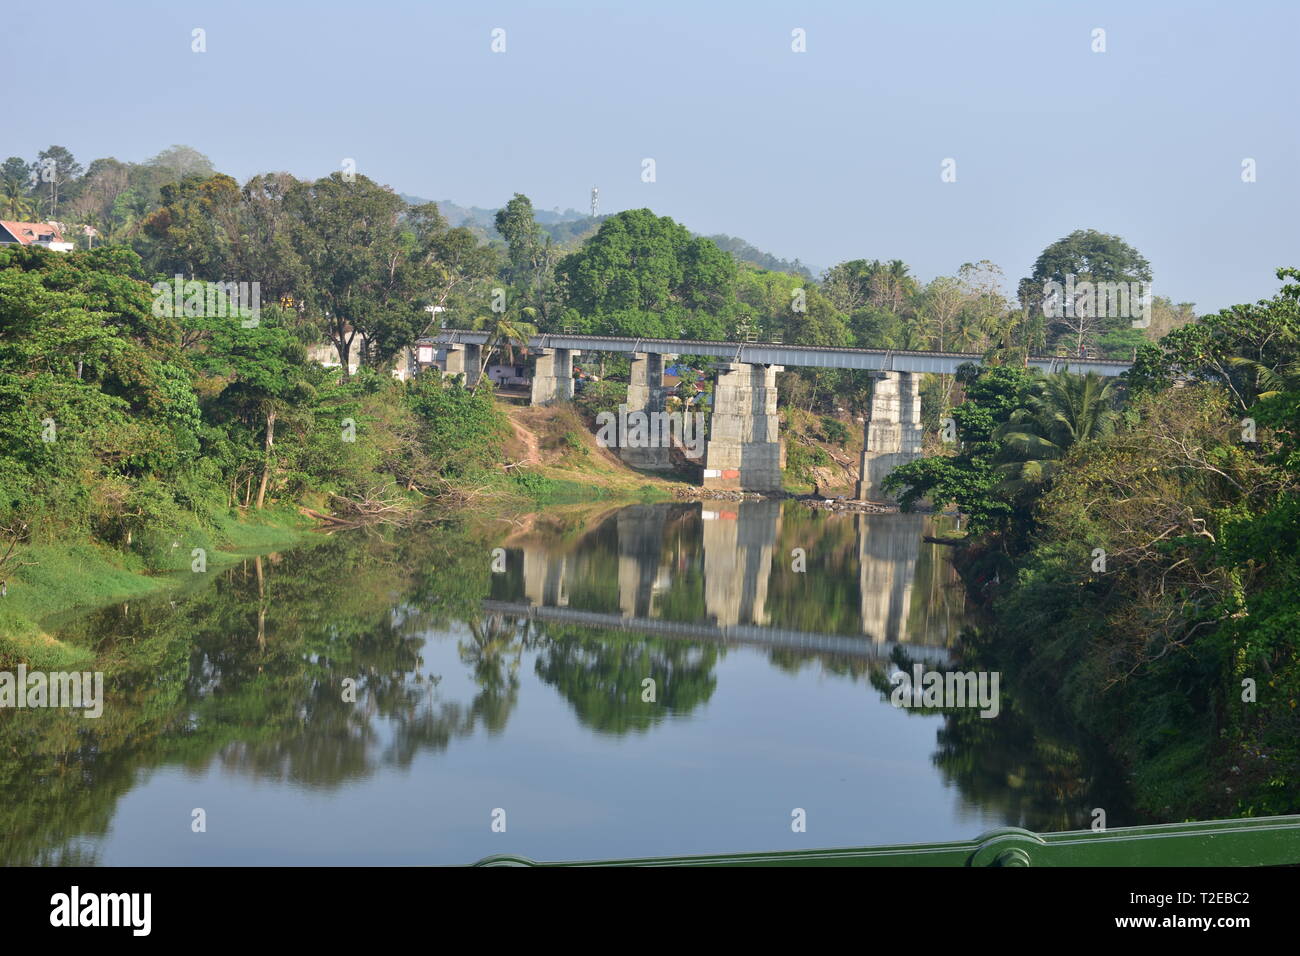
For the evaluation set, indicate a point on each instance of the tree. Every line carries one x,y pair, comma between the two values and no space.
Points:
985,317
642,274
81,350
266,249
857,283
941,301
1033,322
265,366
197,228
848,284
183,162
1061,411
506,329
105,181
898,284
15,183
531,253
462,429
1166,315
1085,255
454,267
357,275
56,168
1267,332
968,477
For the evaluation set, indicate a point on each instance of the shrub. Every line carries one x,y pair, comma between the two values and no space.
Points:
835,431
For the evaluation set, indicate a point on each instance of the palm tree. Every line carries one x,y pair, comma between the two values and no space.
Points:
1064,410
902,286
130,209
505,330
1270,382
13,196
1003,331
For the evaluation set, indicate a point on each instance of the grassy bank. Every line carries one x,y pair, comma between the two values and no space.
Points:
54,581
556,463
555,459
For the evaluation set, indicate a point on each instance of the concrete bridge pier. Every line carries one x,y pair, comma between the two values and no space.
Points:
465,359
739,540
744,450
646,393
640,549
888,548
893,431
553,376
545,578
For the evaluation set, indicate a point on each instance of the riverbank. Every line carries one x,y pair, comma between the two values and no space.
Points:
50,584
55,581
552,462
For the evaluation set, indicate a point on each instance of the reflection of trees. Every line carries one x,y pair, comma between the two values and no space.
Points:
601,676
494,653
1028,772
247,671
824,597
331,617
792,661
250,670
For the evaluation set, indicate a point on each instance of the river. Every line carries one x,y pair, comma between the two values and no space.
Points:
585,683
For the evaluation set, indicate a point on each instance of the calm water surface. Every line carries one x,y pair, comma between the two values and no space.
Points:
523,690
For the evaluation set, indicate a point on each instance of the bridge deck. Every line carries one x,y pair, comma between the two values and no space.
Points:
853,646
769,353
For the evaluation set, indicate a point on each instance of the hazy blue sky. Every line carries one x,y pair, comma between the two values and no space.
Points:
826,155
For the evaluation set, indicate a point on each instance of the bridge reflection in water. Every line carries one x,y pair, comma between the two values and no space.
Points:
728,572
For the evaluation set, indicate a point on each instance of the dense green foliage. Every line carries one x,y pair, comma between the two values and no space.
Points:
132,427
1085,255
969,478
1141,558
643,274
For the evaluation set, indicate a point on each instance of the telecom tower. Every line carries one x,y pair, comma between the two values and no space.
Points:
595,200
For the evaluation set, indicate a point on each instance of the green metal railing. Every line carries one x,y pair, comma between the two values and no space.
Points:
1261,841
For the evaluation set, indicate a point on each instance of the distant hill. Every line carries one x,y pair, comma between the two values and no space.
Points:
570,227
567,228
764,260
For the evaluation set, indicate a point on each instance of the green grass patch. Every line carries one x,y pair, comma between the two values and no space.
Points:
53,582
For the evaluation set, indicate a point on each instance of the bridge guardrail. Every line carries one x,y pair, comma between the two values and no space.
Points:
1257,841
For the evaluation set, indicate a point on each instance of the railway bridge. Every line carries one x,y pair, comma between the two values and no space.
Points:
744,448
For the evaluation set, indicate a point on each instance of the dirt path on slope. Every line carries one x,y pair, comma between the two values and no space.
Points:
528,438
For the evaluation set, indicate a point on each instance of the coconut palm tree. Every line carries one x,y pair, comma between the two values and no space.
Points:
1270,382
505,330
1064,410
17,205
902,285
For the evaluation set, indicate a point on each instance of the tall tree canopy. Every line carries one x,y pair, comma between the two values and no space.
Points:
643,274
1088,256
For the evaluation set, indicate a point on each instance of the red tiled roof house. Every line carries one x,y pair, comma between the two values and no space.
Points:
45,234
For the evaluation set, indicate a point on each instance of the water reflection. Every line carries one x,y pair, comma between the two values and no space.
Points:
749,563
367,657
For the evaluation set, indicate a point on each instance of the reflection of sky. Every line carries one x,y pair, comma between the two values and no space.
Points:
724,778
